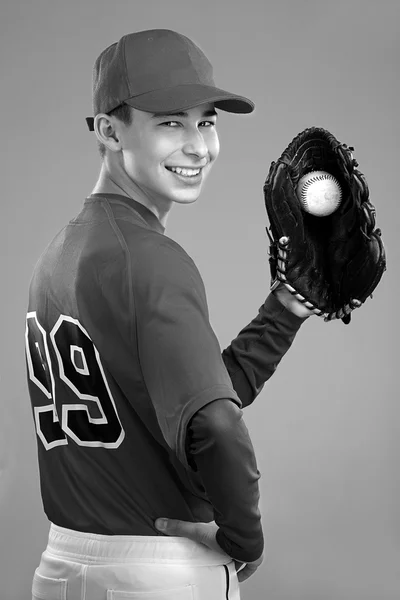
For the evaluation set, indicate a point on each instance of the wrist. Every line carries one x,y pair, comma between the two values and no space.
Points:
291,303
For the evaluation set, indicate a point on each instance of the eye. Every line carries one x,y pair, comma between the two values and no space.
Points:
173,124
170,123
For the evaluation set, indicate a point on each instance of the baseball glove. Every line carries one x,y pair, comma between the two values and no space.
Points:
332,263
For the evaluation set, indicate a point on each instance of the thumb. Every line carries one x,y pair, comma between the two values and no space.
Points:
203,533
161,524
170,526
175,527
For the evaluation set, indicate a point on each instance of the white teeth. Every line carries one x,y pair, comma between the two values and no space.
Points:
186,172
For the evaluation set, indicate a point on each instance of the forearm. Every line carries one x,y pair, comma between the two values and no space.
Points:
253,356
220,449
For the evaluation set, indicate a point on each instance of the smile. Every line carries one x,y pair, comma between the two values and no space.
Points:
184,172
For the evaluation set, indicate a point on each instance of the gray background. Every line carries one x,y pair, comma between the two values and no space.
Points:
326,426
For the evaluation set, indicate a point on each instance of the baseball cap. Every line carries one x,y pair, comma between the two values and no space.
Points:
158,70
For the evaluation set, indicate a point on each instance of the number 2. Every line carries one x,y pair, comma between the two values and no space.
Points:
92,420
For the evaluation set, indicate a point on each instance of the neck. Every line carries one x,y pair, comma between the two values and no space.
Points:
116,181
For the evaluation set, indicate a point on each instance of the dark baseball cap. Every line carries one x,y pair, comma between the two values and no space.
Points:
158,71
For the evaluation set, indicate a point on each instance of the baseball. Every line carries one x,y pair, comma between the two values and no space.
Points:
319,193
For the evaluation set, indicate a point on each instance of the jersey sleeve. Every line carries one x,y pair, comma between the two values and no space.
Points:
179,353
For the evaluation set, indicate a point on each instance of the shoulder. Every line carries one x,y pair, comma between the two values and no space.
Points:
163,257
165,278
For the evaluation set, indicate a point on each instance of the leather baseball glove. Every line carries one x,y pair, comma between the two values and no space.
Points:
332,263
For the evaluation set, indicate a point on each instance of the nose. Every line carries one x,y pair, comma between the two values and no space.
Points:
195,144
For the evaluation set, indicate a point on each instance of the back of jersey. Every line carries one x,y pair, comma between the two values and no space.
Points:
103,457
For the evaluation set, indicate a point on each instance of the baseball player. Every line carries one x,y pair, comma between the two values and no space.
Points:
138,413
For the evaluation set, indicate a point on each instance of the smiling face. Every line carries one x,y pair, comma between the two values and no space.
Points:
169,156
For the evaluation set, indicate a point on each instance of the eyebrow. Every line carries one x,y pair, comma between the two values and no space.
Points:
207,113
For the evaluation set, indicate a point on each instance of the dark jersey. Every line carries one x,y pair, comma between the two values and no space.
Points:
124,371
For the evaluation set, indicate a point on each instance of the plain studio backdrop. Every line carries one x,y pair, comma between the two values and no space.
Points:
326,426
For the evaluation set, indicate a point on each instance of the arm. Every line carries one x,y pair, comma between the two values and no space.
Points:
253,356
191,394
220,450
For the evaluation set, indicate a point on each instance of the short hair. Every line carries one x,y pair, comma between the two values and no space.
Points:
124,113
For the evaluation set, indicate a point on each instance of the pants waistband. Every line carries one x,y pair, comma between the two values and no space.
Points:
95,548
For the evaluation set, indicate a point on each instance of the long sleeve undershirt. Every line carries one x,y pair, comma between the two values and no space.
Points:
218,442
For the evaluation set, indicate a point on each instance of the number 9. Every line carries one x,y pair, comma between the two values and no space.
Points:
88,413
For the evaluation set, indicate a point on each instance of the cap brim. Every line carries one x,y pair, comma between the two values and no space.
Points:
184,97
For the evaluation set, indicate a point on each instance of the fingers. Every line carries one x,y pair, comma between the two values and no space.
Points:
248,570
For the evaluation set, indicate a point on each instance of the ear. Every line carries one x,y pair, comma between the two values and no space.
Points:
106,133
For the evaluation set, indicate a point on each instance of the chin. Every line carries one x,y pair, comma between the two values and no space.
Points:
186,198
